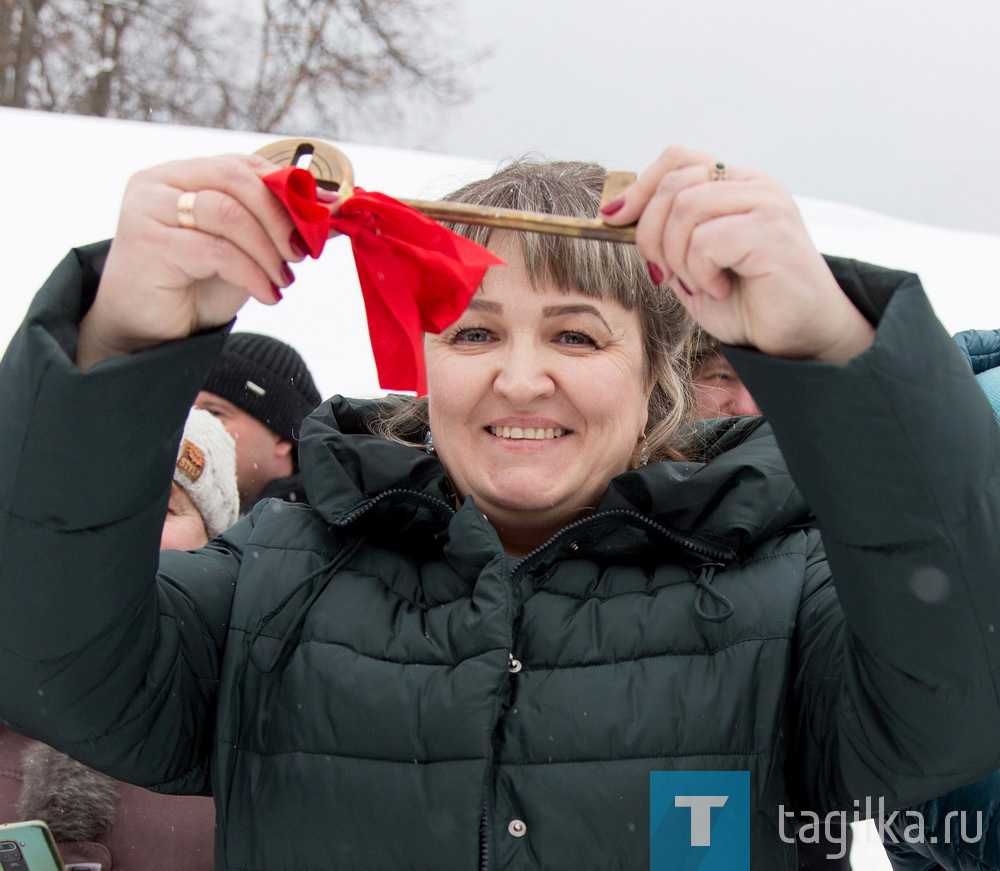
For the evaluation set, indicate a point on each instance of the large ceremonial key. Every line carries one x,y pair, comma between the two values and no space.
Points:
333,171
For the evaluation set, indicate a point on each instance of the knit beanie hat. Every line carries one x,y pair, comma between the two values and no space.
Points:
267,379
206,470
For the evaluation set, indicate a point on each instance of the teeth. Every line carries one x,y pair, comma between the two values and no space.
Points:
526,432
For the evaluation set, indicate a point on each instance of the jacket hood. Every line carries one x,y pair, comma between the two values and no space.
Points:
736,493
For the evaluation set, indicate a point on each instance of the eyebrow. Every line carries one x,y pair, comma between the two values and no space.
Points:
477,303
550,311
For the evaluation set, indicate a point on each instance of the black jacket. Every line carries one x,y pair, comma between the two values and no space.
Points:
342,677
290,488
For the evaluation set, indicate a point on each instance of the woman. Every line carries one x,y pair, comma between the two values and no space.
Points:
475,654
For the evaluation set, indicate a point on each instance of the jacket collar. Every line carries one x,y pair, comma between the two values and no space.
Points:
737,493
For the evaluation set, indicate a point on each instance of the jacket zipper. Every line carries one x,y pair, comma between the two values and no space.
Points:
642,520
444,508
487,853
414,495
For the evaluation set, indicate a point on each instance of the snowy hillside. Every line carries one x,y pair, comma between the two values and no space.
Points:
66,174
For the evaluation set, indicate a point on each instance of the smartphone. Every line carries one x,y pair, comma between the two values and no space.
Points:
28,847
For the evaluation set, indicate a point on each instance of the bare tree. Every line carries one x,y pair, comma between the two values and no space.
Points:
324,67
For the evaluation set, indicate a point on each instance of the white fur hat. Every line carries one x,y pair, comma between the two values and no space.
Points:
206,469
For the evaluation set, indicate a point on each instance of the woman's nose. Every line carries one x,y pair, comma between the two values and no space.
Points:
523,376
742,401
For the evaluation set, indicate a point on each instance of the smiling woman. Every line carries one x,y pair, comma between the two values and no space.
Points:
487,630
544,345
522,361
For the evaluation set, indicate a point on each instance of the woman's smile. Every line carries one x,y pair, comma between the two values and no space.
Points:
527,430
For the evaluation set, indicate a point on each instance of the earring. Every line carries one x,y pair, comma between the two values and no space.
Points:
643,457
429,442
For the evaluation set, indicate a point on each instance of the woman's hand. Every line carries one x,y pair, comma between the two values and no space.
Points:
740,259
165,281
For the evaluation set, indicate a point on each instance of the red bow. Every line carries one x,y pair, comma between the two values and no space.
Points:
416,276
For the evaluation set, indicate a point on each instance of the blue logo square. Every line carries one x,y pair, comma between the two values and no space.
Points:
699,820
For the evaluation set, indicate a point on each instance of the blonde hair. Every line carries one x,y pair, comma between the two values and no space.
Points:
605,270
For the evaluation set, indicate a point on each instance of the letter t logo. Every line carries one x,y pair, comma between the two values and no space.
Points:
701,815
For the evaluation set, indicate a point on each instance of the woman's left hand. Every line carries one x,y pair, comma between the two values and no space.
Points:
733,245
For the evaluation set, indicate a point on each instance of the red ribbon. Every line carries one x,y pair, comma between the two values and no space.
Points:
416,276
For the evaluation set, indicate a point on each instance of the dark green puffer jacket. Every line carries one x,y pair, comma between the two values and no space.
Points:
368,684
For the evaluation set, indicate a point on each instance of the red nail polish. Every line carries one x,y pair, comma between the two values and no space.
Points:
277,293
612,206
287,276
655,273
684,287
298,244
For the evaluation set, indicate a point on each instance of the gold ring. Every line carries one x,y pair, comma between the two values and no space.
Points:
719,172
185,210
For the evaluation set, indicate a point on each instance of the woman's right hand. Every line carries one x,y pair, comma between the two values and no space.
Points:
163,281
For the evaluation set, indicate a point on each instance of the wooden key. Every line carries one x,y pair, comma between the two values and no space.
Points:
333,171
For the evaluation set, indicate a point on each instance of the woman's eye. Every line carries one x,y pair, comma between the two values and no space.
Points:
574,338
472,334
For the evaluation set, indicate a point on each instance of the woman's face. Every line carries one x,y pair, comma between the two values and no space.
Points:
537,400
183,528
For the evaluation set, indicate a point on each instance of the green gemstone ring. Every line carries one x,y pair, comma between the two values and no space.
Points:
719,172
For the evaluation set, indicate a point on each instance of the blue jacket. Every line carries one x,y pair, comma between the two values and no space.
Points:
982,347
961,831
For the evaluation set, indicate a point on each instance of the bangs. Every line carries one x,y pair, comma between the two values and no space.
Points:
604,270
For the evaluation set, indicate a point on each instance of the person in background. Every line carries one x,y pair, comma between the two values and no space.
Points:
261,390
203,495
717,389
99,823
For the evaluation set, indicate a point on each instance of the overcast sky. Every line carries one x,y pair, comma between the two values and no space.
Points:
888,104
